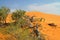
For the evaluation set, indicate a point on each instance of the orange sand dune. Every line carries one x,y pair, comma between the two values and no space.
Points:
52,33
9,19
48,17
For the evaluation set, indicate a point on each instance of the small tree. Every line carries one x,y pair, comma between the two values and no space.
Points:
3,13
17,15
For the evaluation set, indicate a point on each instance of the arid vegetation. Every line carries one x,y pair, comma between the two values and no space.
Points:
22,25
23,28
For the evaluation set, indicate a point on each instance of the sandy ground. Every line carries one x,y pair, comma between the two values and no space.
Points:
51,33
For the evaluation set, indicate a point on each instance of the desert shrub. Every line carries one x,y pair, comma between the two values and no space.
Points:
14,31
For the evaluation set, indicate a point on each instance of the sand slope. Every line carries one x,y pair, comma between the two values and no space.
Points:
52,33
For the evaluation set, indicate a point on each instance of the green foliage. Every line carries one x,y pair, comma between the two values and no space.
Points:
15,30
3,13
18,14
